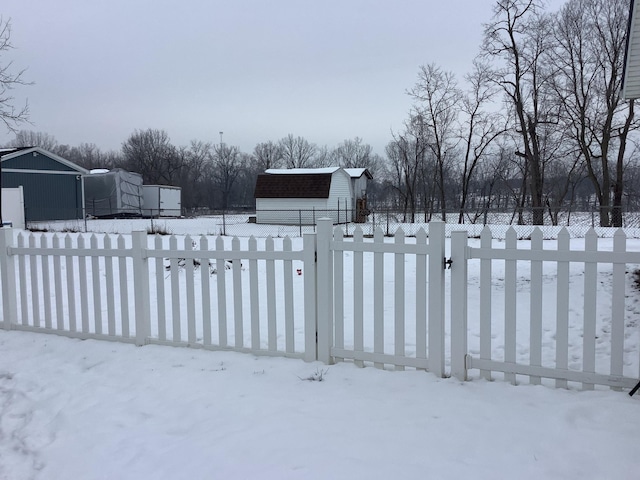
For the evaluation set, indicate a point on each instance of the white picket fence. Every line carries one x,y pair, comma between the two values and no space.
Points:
379,301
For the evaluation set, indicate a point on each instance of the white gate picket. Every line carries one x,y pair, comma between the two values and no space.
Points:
486,239
510,308
399,283
161,314
562,307
535,318
590,292
124,289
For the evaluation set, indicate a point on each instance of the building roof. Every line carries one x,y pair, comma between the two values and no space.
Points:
298,171
293,185
358,172
10,153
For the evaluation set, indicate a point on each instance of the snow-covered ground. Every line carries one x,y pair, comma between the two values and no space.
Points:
74,409
101,410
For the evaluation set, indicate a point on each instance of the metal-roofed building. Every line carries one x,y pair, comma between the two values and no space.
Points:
53,187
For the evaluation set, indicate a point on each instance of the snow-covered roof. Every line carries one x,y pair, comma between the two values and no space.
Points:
298,171
358,172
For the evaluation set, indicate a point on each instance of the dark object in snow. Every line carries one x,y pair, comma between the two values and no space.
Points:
634,389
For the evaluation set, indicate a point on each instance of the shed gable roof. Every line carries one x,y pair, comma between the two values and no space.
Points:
27,158
293,185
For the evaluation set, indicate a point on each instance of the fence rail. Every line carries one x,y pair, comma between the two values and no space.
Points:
530,308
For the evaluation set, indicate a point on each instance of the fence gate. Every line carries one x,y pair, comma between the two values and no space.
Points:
388,310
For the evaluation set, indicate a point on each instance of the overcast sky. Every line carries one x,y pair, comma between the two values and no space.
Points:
256,70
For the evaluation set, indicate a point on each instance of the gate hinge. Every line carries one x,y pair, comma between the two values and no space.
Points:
446,263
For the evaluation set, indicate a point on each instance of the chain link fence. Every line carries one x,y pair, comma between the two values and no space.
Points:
297,222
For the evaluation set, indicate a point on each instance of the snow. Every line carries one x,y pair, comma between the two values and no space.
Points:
102,410
94,410
298,171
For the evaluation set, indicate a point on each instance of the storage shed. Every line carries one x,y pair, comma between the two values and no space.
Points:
359,180
303,195
53,187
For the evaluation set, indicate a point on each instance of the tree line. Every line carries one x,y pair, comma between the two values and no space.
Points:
537,127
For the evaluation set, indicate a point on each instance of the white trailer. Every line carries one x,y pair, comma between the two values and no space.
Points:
161,201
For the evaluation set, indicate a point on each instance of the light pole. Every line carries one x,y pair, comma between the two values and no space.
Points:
221,138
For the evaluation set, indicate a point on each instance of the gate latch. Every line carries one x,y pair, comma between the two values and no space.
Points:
446,263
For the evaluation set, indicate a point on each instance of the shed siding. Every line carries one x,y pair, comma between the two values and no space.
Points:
340,193
631,88
290,211
48,196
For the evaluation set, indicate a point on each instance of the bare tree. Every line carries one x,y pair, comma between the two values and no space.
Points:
267,155
151,154
589,57
437,97
479,127
353,153
518,36
10,116
226,166
297,152
406,158
28,138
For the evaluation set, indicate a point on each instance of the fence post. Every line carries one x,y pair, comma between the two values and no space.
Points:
7,272
324,289
436,297
458,298
141,286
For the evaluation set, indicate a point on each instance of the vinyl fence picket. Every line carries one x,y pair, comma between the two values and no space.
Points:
71,287
189,267
222,295
254,295
272,326
617,307
46,285
124,290
160,294
399,298
535,335
22,272
35,290
562,307
486,239
97,290
236,270
510,309
287,271
378,297
84,297
110,284
57,273
590,305
338,292
358,296
174,274
421,297
205,273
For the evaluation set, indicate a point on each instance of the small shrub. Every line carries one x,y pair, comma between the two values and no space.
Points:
317,376
156,229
